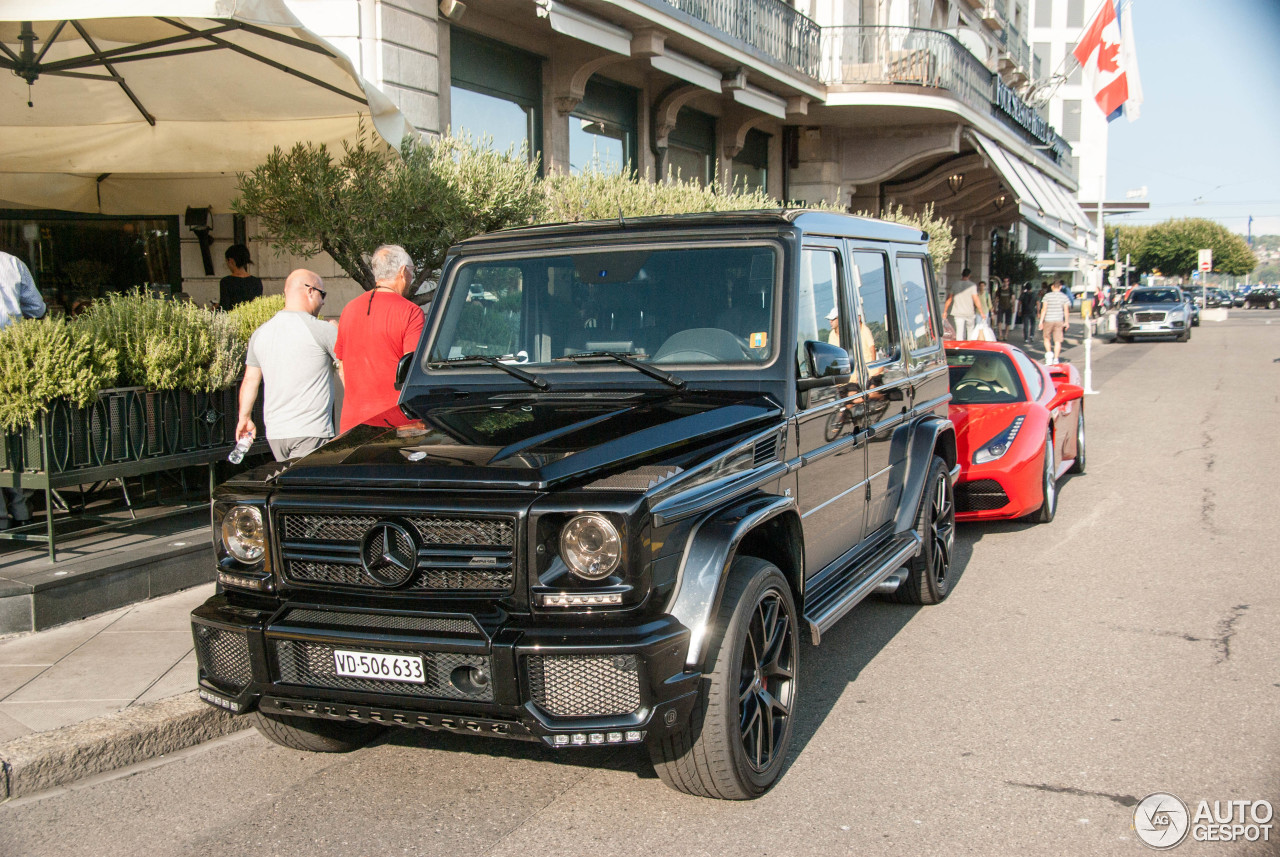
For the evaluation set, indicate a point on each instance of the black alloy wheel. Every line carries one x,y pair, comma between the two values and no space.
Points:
929,572
766,680
735,745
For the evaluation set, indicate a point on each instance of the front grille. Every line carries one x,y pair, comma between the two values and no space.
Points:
311,665
383,621
1146,317
223,655
981,495
455,554
585,685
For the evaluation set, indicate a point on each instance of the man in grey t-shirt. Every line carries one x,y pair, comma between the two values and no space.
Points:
962,305
293,354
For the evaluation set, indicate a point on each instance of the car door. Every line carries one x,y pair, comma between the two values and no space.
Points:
830,421
880,335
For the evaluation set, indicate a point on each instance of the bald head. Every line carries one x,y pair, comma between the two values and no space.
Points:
304,292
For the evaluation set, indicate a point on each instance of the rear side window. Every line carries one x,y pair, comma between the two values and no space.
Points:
877,320
921,322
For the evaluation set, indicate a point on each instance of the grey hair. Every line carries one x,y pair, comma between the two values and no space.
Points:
387,261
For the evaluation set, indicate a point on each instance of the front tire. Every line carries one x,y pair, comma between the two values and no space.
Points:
1049,484
313,735
929,572
736,743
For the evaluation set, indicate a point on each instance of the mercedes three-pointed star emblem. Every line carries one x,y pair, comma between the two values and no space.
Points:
389,553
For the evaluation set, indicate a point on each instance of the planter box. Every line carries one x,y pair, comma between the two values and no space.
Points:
128,431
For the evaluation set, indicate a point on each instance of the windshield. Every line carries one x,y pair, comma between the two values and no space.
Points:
1155,296
983,378
687,305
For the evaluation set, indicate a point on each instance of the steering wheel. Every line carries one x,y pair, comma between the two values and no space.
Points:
978,384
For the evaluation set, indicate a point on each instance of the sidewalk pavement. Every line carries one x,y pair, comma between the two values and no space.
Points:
101,693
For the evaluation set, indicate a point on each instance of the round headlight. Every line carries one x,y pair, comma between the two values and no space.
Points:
591,546
242,534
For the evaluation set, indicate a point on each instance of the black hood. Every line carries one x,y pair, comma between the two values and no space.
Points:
533,441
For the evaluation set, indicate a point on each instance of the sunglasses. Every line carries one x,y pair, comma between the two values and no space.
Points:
323,294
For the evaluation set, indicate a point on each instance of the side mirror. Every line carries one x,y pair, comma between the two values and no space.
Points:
1066,393
828,365
402,369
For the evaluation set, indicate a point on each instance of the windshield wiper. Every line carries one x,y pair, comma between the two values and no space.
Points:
472,359
620,357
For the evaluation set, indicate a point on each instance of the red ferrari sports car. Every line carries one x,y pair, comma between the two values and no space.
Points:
1019,428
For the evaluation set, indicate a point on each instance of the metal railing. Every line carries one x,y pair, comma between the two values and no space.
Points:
772,27
1016,46
877,55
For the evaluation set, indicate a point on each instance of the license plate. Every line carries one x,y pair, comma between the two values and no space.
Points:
406,668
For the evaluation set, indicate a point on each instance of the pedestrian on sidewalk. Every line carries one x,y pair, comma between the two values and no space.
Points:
1055,314
1005,300
293,354
374,332
962,305
19,299
1028,307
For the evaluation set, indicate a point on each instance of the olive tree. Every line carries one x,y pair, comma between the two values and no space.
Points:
425,197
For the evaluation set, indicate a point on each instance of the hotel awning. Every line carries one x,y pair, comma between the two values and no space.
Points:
1042,202
150,106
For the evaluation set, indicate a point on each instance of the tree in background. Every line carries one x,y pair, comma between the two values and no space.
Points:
425,197
1173,248
1019,267
431,195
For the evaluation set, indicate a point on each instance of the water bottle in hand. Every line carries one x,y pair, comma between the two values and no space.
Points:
237,454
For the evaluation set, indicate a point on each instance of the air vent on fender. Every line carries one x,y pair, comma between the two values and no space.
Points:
766,450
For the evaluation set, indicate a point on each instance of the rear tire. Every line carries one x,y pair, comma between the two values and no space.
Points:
1123,338
1048,484
1078,465
736,742
929,572
313,735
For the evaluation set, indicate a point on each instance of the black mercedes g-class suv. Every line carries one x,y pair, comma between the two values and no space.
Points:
630,467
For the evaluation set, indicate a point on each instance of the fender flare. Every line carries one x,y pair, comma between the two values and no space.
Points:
713,544
925,437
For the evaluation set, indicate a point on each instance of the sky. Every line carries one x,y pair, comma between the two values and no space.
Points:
1208,141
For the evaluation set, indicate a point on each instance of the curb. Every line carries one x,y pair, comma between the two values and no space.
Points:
44,760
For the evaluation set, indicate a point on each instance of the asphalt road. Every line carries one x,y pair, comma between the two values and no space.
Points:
1132,646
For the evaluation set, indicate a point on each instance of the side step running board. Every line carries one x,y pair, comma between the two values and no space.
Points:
828,605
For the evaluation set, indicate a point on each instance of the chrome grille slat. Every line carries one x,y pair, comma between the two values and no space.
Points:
323,550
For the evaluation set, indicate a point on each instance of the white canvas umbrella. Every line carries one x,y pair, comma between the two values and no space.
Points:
151,106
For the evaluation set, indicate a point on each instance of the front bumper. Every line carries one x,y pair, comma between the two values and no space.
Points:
1166,327
567,687
988,492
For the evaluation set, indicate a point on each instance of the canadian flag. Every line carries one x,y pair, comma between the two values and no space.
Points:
1111,67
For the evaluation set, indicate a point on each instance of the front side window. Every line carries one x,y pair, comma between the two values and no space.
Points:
921,320
687,305
817,318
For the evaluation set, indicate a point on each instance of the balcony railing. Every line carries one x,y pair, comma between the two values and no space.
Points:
931,58
875,55
773,28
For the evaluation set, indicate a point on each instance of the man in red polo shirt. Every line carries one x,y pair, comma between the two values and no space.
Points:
374,332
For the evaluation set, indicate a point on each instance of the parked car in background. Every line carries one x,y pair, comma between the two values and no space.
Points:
1263,297
1156,311
1217,298
1239,295
1019,428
